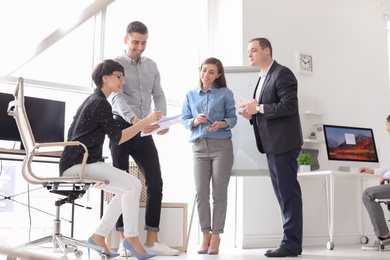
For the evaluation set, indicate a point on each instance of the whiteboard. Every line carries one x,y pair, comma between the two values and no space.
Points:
248,161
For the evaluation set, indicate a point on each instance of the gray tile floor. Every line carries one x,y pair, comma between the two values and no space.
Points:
350,252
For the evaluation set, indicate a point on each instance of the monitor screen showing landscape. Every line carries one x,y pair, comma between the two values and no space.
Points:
350,146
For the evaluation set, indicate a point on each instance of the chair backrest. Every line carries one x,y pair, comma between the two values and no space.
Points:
21,117
17,109
23,124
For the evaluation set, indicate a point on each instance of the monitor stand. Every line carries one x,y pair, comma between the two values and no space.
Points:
344,169
21,146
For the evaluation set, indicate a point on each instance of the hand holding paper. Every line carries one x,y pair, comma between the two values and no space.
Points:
242,101
163,124
248,109
150,128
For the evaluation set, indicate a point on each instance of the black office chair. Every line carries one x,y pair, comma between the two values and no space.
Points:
70,188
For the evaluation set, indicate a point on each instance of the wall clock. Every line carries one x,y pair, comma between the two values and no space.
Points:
305,63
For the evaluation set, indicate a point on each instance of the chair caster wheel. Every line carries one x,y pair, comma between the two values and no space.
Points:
78,253
364,240
330,245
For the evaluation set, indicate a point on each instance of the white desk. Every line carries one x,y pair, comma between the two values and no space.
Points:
330,188
329,176
19,155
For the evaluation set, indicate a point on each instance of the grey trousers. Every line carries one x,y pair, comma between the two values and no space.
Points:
213,162
375,210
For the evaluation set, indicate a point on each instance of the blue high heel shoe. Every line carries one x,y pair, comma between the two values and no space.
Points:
127,246
100,252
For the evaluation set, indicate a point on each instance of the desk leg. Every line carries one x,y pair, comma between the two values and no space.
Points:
330,199
363,186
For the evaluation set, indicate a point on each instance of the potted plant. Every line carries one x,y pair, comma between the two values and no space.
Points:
304,162
312,135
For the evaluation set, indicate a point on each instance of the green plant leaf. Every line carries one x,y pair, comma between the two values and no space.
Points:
304,159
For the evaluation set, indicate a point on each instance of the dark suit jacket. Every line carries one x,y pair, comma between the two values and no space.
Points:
278,130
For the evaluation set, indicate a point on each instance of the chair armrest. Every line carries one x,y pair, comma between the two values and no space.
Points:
62,144
97,182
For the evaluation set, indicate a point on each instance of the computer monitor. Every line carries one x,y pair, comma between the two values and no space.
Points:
348,146
47,119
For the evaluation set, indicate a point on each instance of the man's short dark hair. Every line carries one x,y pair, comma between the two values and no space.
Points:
137,27
264,43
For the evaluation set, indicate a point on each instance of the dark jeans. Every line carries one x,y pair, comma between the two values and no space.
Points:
144,152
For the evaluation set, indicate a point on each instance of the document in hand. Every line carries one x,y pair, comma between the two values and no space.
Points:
165,122
242,101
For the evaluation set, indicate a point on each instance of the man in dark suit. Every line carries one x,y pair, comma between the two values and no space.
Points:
275,118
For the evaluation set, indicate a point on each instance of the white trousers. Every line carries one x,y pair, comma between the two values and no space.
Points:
127,190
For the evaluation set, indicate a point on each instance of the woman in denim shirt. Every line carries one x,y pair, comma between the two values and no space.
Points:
209,112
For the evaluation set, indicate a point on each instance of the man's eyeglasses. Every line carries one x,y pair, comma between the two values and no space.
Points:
120,76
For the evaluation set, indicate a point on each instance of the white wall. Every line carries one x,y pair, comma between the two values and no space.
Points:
348,41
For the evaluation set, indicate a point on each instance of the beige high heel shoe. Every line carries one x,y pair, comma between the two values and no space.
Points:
214,251
204,249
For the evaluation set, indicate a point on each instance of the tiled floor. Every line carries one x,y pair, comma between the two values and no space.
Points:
350,252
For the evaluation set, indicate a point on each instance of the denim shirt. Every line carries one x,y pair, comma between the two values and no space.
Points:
217,104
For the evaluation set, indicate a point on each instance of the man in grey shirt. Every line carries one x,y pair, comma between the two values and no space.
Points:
129,106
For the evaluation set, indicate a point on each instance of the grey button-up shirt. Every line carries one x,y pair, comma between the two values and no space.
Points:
142,85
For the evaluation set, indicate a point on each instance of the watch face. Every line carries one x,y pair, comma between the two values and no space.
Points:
305,63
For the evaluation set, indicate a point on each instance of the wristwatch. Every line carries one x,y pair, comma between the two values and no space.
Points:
258,108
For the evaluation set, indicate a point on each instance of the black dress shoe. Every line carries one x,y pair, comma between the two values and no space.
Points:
269,250
280,252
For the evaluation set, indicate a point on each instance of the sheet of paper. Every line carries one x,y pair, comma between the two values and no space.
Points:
165,122
242,101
